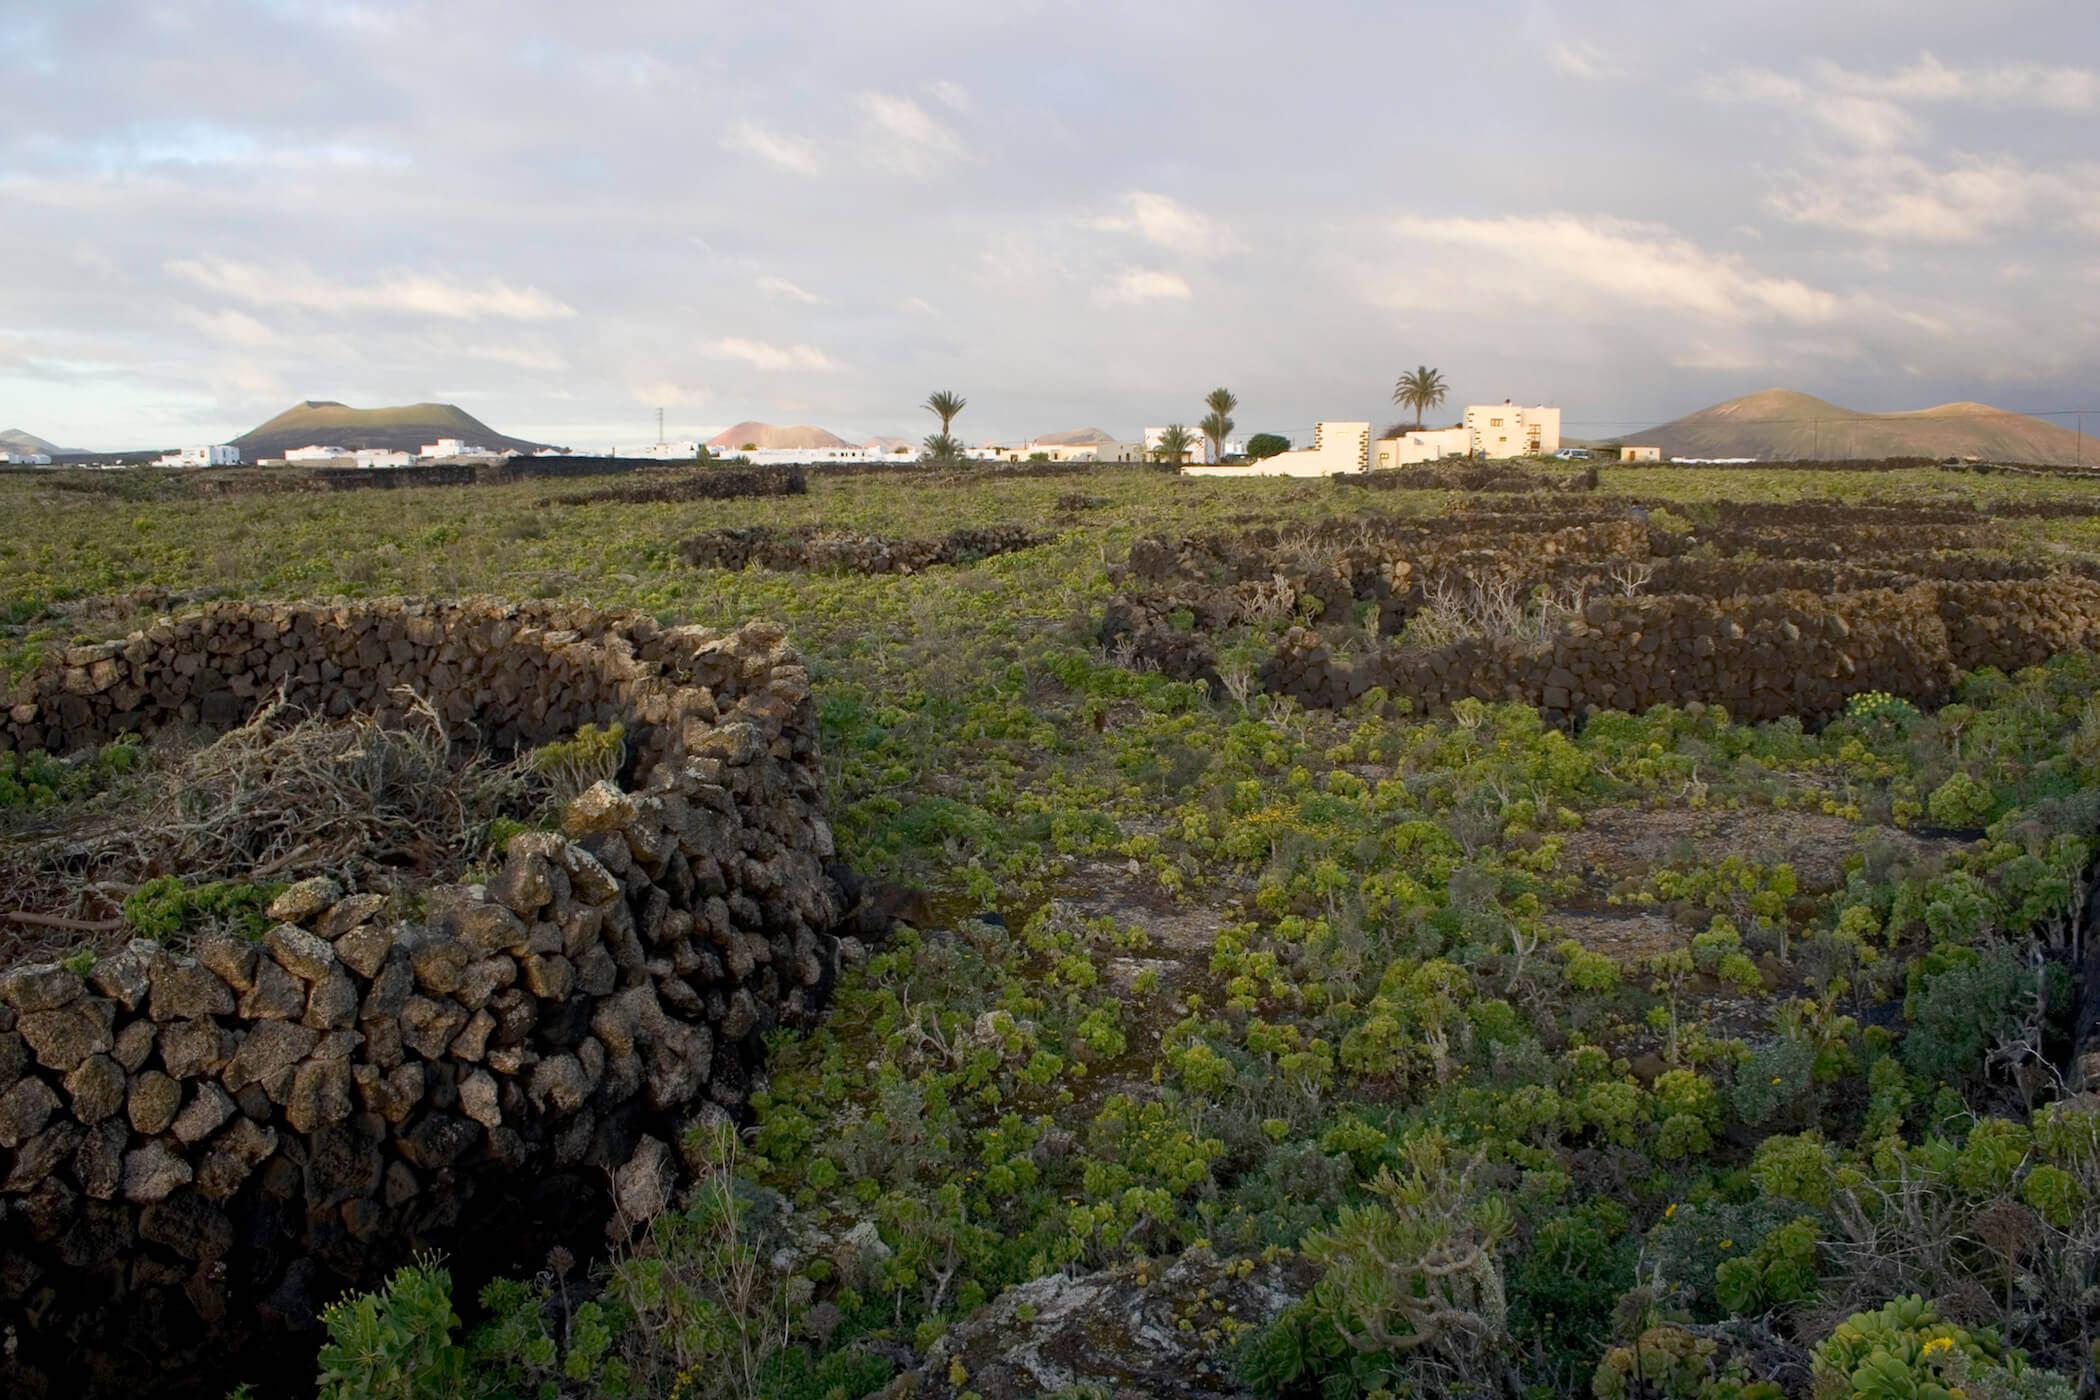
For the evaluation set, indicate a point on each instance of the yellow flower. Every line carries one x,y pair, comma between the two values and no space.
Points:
1939,1344
1669,1210
1728,1244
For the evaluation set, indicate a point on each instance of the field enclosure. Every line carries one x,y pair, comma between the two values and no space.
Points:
1643,913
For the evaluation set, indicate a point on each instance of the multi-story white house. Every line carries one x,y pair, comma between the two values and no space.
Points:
1512,430
218,455
26,459
379,458
451,447
1337,449
318,453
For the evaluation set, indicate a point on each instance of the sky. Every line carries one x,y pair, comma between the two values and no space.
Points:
562,217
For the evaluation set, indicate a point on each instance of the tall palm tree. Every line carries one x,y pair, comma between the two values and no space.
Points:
1217,424
1174,444
1420,388
945,404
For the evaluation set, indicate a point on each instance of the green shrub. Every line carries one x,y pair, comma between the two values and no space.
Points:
168,906
395,1344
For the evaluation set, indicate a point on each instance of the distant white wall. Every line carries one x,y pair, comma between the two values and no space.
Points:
1421,445
1337,449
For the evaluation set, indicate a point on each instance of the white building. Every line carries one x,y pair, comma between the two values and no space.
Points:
220,455
379,458
317,453
451,447
802,456
1337,449
26,459
1509,429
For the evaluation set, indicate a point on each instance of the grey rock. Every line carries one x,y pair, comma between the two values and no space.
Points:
428,1026
364,948
274,995
333,1003
153,1102
269,1048
61,1038
24,1110
304,899
96,1087
208,1109
135,1045
320,1095
152,1171
232,960
306,956
184,990
39,986
479,1100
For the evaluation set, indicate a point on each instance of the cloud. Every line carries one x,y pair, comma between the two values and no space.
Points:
1166,223
787,291
760,355
904,136
663,393
231,327
954,96
1579,58
1623,262
794,154
917,306
1137,284
406,293
529,357
2032,85
1899,197
1869,123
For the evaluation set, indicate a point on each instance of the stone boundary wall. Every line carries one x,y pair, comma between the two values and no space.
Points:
697,484
191,1142
1762,657
815,548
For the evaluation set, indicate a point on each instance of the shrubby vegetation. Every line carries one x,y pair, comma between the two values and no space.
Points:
1668,1057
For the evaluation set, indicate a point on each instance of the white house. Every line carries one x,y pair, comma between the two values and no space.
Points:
379,458
1509,429
318,453
26,459
1337,449
219,455
451,447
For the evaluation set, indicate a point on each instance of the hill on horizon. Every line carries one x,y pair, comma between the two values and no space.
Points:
326,423
1783,424
1075,437
767,435
16,440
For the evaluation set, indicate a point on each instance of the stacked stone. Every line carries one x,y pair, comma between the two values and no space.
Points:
176,1127
519,673
818,549
1762,656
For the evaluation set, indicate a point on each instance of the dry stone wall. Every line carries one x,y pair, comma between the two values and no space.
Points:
1760,656
192,1142
815,548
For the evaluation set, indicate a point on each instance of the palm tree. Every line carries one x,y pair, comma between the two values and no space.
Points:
945,404
940,447
1419,389
1217,424
1174,444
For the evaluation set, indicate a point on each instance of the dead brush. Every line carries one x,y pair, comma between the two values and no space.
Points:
1494,607
287,794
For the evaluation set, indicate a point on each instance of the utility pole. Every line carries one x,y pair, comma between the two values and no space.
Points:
659,427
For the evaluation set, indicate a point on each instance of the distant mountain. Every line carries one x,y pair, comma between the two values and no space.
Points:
886,445
15,440
1075,437
1782,424
766,435
324,423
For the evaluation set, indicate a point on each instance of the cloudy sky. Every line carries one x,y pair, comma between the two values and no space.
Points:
562,216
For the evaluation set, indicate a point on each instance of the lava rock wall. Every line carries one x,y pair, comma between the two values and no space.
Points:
196,1142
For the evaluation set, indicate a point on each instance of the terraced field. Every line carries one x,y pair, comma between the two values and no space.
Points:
1624,936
